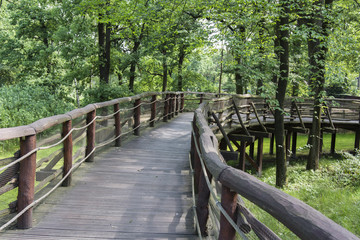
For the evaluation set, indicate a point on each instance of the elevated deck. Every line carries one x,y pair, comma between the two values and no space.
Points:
141,190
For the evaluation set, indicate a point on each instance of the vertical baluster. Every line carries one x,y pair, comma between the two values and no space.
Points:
90,135
229,203
153,111
26,188
117,125
68,150
183,102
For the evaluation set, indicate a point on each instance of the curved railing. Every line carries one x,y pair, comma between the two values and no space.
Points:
214,178
74,137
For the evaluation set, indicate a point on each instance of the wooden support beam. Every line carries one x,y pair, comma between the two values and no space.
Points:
68,150
333,143
240,137
272,141
294,143
229,203
239,118
26,188
222,131
90,136
357,139
117,125
251,151
287,144
260,155
260,134
230,156
242,157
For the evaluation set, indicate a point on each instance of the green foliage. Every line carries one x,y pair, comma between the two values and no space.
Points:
104,93
22,104
332,190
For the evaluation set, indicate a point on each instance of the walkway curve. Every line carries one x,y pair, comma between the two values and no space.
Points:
141,190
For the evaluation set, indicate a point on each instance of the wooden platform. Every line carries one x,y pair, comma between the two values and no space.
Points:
141,190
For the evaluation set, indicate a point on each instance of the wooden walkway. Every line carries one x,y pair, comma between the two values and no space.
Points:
141,190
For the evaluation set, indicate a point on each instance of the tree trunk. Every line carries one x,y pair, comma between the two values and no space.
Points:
262,55
280,96
180,67
107,54
165,71
317,55
102,54
238,78
133,65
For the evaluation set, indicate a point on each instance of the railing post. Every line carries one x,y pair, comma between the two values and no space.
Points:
68,149
26,188
137,112
229,203
166,108
90,135
183,102
202,205
177,97
153,111
201,98
117,125
171,106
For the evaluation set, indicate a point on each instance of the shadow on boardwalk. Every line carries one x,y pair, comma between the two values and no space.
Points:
141,190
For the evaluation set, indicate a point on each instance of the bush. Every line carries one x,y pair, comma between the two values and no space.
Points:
104,93
22,104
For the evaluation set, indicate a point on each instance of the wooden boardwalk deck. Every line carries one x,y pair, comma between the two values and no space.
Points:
141,190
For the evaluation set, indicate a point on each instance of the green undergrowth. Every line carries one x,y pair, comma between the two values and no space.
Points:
333,189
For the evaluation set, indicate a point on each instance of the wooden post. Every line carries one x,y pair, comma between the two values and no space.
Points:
173,104
166,108
229,203
153,111
294,143
260,154
68,149
137,112
202,205
177,97
241,165
272,141
117,125
287,143
26,181
201,98
333,143
357,139
182,104
197,163
90,135
251,152
321,142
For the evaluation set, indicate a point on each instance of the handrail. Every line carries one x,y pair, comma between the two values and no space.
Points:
301,219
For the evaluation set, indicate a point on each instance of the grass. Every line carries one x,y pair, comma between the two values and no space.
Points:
333,189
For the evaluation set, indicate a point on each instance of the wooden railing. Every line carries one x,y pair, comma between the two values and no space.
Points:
213,125
55,146
74,136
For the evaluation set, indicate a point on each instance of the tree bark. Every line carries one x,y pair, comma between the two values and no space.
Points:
102,54
280,95
107,54
165,71
180,67
238,78
262,53
317,49
133,66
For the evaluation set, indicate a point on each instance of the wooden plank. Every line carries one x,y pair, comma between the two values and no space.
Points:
141,190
